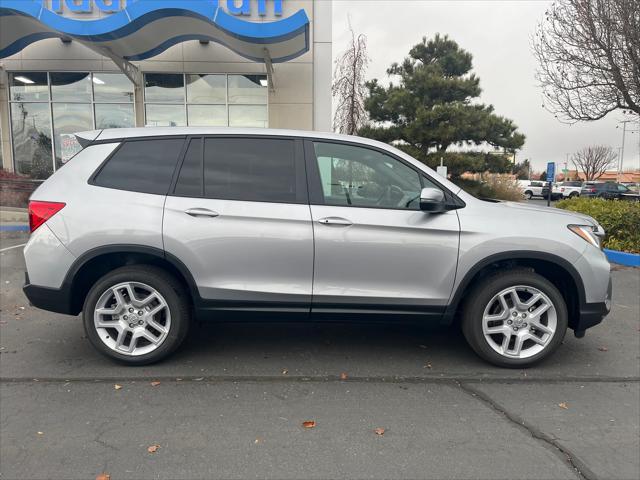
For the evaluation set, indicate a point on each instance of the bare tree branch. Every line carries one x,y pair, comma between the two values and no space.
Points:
348,86
594,161
589,58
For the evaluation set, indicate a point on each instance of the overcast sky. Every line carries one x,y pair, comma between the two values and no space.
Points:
497,34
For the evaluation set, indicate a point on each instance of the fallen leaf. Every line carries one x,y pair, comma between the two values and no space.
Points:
257,441
285,371
422,346
40,433
155,384
309,424
603,349
103,476
564,405
379,431
117,387
428,365
153,448
344,376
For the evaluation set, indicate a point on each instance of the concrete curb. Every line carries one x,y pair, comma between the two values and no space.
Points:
623,258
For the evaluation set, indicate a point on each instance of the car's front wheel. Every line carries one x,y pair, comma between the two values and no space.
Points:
528,195
515,318
136,314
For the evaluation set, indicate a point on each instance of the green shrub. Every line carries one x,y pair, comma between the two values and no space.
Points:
619,218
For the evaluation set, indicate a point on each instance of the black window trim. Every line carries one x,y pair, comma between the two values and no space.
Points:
316,195
302,194
121,142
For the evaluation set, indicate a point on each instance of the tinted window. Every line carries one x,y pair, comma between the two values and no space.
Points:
190,178
361,177
144,166
251,169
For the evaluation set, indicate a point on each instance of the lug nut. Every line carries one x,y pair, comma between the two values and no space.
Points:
524,325
515,329
131,325
515,314
140,322
509,322
131,310
524,315
126,317
140,312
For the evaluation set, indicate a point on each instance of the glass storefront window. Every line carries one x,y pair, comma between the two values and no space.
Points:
112,87
165,115
207,89
29,87
248,89
207,115
69,118
70,87
114,115
248,116
31,126
164,87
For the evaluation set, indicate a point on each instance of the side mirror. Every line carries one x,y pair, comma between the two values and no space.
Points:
432,200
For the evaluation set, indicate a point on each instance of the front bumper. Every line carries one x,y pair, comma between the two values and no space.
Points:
591,314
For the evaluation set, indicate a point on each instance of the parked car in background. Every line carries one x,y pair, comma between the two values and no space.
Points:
566,190
610,191
533,188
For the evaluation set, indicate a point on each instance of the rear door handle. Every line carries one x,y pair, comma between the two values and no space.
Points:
335,221
201,212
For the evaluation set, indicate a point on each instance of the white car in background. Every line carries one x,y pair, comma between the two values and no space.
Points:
566,190
533,188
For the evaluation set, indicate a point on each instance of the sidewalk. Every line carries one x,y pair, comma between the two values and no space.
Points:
13,219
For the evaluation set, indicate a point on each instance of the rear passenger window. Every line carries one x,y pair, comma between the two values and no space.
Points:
144,166
190,178
250,169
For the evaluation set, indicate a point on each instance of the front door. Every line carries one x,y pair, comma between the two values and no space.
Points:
239,220
375,250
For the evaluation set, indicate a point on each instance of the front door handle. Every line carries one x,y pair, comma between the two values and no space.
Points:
201,212
335,221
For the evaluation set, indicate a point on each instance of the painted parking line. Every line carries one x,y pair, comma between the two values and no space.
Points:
11,248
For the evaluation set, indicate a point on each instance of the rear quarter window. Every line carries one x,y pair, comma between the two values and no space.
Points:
144,166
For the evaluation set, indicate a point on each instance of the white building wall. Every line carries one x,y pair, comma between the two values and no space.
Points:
302,96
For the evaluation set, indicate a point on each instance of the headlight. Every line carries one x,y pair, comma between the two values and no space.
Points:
589,233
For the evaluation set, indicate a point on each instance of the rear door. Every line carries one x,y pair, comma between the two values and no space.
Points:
238,218
375,250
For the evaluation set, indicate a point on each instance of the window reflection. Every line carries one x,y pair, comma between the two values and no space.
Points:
211,89
207,115
112,87
69,118
29,87
248,116
70,87
164,88
165,116
31,127
114,115
248,89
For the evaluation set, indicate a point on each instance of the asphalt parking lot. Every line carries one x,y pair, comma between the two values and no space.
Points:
231,402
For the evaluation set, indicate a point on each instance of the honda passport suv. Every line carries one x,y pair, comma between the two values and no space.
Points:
147,230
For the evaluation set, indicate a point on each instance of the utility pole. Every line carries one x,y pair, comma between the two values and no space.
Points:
621,160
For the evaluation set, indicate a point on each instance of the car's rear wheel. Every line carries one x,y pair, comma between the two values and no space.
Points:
528,195
573,194
136,314
515,319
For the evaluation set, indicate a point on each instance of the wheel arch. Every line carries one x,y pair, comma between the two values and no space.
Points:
95,263
556,269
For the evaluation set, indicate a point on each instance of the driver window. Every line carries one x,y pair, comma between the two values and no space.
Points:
360,177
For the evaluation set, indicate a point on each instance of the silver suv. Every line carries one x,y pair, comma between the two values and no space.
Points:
147,230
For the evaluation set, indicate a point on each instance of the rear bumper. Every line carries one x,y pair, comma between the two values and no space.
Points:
56,300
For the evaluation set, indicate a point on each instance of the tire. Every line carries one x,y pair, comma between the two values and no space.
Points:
528,195
156,335
490,347
573,194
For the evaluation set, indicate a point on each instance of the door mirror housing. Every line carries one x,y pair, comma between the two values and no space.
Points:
432,200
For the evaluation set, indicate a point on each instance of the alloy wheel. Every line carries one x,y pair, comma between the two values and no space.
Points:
519,322
132,318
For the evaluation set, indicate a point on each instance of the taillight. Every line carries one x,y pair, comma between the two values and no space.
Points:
40,212
562,189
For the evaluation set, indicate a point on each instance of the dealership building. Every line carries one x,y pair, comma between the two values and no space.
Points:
75,65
